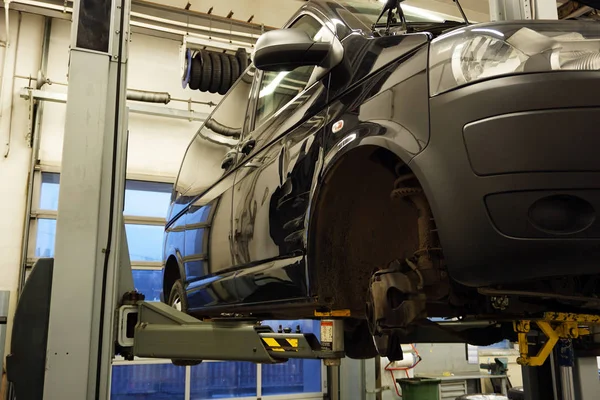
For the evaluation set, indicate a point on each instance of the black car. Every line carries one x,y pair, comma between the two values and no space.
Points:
392,173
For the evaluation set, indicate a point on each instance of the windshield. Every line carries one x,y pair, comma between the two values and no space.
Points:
368,12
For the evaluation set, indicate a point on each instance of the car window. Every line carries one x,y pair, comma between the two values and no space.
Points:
279,88
220,134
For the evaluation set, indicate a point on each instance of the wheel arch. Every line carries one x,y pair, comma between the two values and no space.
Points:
354,194
172,271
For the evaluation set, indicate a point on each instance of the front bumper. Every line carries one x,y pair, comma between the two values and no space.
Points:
512,173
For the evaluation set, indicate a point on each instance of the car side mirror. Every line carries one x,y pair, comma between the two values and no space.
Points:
287,49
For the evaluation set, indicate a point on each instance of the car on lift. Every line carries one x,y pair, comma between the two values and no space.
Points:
424,179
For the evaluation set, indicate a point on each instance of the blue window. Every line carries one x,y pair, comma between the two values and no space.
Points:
49,191
145,242
294,376
148,282
217,380
148,382
147,199
45,238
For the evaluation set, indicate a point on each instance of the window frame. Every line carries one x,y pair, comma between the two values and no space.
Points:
247,124
38,213
258,79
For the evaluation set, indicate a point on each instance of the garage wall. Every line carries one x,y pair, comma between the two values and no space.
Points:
269,12
156,143
14,159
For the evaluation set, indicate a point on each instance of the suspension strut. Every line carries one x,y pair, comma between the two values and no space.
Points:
426,261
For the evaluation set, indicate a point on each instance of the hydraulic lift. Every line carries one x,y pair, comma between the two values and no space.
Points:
80,309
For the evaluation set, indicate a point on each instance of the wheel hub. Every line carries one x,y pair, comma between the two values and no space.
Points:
176,303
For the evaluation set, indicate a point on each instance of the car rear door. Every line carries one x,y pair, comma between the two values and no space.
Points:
278,159
208,218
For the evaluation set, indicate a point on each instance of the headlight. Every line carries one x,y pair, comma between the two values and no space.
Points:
483,51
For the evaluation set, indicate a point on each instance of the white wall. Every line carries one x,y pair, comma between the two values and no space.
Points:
15,165
156,143
273,13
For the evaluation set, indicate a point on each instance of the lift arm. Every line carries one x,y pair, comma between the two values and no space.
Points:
156,330
555,326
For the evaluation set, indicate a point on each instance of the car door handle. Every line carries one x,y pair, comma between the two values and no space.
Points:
248,146
228,160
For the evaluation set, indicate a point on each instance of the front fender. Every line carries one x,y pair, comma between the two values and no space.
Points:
385,134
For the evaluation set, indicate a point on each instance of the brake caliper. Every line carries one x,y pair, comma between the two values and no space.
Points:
395,300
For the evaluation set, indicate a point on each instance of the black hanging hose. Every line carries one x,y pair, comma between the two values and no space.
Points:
196,73
225,73
217,70
206,71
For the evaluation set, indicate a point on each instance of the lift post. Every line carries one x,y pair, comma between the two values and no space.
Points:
89,229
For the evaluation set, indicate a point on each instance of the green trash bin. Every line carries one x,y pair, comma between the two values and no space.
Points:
420,388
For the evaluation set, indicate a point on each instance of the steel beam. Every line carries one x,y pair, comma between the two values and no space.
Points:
134,107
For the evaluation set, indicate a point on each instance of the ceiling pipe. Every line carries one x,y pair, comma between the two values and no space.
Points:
172,22
5,58
6,10
12,84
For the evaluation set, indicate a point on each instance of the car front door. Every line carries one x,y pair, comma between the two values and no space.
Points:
278,159
208,217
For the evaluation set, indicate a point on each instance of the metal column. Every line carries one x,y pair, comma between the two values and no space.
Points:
333,382
565,362
89,226
585,377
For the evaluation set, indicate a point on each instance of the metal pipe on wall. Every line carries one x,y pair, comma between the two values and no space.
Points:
148,97
12,85
35,148
6,44
6,18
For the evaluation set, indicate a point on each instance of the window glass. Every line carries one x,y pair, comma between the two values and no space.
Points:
217,380
220,134
147,199
296,375
148,282
148,382
45,238
145,242
278,88
49,191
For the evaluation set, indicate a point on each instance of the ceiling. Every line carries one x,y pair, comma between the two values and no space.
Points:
275,13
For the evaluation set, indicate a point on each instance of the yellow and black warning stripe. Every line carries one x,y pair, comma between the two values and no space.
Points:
280,344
